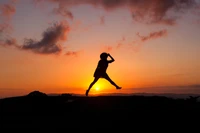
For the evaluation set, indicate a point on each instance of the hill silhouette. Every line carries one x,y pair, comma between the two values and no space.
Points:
96,114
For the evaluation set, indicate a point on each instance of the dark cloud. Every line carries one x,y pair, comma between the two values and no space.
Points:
153,35
49,44
149,11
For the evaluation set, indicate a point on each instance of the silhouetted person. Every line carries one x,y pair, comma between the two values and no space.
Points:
100,71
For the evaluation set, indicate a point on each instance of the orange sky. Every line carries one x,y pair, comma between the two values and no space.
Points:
146,55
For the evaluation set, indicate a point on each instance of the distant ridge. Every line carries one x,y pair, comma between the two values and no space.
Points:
171,95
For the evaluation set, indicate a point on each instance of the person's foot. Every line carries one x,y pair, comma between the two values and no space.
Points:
87,91
118,87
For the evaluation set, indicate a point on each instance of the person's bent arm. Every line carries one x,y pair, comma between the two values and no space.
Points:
112,59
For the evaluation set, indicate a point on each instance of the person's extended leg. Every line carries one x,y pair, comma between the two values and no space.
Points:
113,83
93,82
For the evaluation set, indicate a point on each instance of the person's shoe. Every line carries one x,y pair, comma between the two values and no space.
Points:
87,91
118,87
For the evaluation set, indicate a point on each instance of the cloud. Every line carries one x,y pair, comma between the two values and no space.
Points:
153,35
49,44
149,11
170,21
177,75
72,53
5,28
196,12
136,45
107,49
121,42
7,10
102,20
63,12
10,42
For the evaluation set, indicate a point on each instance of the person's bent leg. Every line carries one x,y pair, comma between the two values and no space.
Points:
112,82
93,82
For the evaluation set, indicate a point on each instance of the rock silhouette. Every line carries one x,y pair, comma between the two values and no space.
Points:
36,94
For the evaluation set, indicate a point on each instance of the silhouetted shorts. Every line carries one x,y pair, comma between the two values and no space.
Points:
100,75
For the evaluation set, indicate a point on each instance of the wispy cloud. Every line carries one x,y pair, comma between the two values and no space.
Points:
7,10
136,45
153,35
5,28
121,42
9,42
63,12
106,48
102,20
72,53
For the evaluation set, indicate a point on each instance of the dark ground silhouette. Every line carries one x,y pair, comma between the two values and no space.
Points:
37,111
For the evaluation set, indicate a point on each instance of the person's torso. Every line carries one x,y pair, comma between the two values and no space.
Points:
102,65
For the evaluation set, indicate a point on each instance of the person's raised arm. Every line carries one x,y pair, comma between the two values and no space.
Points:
112,59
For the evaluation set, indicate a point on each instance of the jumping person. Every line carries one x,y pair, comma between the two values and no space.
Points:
100,71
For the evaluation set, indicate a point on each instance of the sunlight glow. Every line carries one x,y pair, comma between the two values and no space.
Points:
97,88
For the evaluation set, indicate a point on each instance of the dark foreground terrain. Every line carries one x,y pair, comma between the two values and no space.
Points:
38,111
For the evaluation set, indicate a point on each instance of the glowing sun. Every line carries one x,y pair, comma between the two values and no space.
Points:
97,88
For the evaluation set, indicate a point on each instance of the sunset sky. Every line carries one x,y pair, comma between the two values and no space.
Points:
54,45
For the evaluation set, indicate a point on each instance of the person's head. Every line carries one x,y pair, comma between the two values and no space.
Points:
104,56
